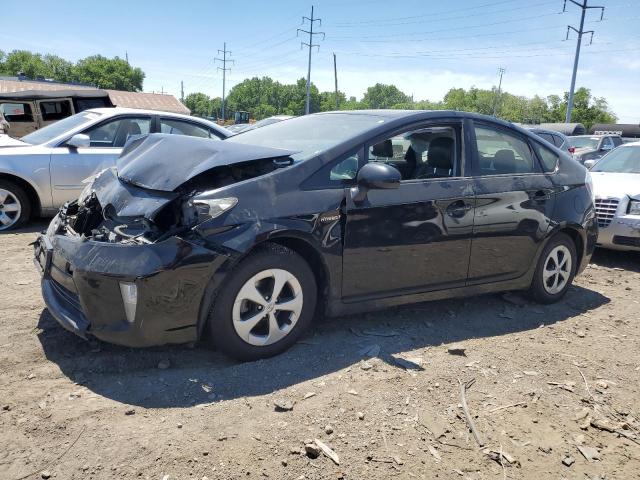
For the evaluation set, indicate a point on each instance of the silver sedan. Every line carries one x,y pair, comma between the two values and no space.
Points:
616,182
46,168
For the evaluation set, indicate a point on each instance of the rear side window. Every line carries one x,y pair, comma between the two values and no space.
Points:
557,140
83,104
17,112
501,153
548,158
55,110
177,127
617,141
546,136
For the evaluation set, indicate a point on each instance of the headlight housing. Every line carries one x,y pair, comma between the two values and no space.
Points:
634,207
208,208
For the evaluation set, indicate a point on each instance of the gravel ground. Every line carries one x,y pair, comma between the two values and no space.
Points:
555,395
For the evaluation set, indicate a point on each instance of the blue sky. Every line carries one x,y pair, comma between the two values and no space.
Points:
424,47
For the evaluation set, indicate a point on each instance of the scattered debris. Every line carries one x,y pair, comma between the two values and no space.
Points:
352,392
507,406
500,456
365,366
435,453
309,395
568,386
312,450
283,405
45,474
581,333
568,461
465,408
407,364
130,411
457,350
327,451
328,429
590,453
360,415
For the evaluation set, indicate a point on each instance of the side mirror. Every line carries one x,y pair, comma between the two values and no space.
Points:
375,176
589,163
79,140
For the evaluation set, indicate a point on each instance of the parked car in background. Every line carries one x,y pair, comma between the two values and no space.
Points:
47,167
343,211
243,127
616,182
29,110
592,147
557,139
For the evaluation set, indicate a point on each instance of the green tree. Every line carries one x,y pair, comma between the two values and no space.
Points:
588,109
199,103
113,73
384,96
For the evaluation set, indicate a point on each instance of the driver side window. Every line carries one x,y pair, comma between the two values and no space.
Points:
115,133
418,154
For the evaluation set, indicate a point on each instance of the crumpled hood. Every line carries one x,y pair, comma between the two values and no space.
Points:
165,162
616,185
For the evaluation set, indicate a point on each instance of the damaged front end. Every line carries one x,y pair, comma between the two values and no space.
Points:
124,262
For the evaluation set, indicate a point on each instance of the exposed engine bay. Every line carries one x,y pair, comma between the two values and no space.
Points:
150,196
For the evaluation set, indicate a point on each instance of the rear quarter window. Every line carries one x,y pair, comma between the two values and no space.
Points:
548,158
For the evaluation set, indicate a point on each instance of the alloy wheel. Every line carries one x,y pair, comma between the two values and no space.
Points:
557,270
267,307
10,209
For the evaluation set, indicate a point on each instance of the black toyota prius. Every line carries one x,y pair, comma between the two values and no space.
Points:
247,240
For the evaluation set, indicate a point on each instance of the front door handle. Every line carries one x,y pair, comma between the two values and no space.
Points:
458,209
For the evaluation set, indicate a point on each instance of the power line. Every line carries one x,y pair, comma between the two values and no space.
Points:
224,69
310,45
584,7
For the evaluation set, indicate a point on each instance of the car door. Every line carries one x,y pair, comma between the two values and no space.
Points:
514,203
417,237
70,166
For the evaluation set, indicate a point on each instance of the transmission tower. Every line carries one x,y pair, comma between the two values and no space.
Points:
311,33
584,7
224,69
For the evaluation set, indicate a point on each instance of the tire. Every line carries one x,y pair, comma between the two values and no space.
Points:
15,208
547,287
243,327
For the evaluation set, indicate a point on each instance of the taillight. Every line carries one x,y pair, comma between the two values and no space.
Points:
572,149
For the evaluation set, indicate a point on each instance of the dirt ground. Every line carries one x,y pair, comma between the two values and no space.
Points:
381,390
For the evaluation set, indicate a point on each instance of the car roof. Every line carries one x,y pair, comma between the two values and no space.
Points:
112,111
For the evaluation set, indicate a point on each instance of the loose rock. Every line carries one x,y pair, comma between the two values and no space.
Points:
282,405
312,450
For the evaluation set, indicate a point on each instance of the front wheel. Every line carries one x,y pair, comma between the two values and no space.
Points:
265,305
555,271
14,206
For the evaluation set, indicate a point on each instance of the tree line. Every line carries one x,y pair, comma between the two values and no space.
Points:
263,97
102,72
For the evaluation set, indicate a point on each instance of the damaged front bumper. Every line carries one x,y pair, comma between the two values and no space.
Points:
623,233
82,286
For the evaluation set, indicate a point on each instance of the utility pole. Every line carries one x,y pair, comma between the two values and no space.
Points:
310,45
224,69
501,71
126,56
182,91
584,7
335,76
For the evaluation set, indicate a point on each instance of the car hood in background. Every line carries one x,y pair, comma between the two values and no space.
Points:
165,162
7,141
617,185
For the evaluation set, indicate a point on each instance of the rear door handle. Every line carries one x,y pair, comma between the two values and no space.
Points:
458,209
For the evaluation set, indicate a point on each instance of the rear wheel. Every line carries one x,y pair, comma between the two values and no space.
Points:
555,271
15,208
265,305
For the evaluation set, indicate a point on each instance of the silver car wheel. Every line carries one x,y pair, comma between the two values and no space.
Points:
10,209
557,269
267,307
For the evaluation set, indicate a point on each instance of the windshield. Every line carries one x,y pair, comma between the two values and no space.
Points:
620,160
59,128
309,135
583,142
